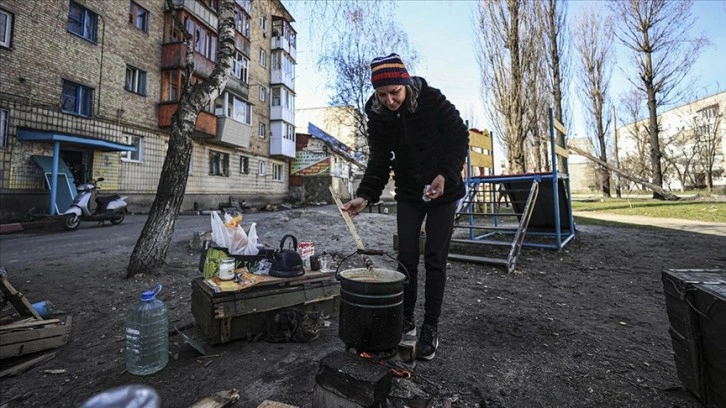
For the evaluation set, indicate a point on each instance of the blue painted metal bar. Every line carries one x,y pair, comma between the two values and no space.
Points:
54,179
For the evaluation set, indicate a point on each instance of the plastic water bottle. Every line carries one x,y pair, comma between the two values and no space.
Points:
147,335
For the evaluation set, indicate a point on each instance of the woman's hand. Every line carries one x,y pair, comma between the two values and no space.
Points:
355,206
436,189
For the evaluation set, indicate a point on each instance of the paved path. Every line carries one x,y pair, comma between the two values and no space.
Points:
701,227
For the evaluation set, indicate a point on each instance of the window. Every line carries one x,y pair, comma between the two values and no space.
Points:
277,172
262,130
263,57
169,86
241,67
244,165
218,164
135,80
205,42
77,99
6,28
242,22
138,154
4,121
231,106
82,22
263,25
138,17
262,168
263,93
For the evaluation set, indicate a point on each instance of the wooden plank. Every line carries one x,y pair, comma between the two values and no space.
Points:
20,303
482,160
561,151
220,399
33,334
22,367
38,344
351,227
28,323
274,404
559,126
483,140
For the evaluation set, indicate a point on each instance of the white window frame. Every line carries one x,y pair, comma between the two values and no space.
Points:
135,80
262,130
263,58
4,128
138,155
6,34
82,98
241,67
263,93
276,172
262,168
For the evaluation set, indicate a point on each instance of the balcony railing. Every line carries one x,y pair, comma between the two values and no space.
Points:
173,56
206,122
280,42
232,133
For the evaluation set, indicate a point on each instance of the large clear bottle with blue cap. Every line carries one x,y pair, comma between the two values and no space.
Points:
147,335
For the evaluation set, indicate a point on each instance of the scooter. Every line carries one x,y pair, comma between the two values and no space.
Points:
108,208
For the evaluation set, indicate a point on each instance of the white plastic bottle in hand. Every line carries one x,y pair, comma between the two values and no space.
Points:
147,335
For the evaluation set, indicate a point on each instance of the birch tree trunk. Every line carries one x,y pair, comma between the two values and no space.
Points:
153,243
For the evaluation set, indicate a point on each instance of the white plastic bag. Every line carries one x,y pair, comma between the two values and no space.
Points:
233,238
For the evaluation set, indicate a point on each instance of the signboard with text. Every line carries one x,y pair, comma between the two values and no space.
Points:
310,163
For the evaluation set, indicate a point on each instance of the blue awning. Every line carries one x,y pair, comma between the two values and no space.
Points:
28,135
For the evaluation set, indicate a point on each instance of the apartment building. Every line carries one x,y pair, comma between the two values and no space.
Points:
692,140
88,89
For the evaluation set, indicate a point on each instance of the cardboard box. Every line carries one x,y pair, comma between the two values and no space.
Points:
227,316
696,306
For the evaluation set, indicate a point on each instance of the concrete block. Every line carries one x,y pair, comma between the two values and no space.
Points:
323,398
355,379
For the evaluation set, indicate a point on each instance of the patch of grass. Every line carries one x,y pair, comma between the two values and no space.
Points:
711,211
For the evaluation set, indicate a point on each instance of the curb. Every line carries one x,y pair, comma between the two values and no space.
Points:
29,226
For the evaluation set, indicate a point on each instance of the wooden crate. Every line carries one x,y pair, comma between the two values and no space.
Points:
696,305
32,335
225,316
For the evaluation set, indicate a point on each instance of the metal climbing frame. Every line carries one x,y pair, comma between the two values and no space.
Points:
512,211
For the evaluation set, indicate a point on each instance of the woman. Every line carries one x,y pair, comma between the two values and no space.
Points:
416,131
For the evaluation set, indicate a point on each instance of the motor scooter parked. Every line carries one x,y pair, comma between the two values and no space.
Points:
108,208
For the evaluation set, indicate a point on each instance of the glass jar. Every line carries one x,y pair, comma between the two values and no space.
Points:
226,269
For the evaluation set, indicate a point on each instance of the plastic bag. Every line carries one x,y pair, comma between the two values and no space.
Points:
229,234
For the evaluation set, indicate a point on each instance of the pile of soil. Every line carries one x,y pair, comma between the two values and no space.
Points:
582,327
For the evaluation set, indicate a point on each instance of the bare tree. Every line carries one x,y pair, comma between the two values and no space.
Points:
348,35
368,33
501,56
593,41
657,32
636,162
557,52
153,243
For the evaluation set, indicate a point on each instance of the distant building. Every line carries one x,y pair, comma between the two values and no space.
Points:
95,83
692,140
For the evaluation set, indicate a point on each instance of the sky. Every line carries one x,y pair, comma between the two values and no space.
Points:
443,35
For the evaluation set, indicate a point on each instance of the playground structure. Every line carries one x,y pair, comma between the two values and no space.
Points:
502,213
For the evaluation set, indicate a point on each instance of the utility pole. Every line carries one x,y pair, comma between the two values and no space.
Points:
617,159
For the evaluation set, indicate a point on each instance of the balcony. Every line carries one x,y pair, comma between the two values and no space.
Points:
280,113
206,122
173,56
278,76
200,11
280,42
279,145
231,133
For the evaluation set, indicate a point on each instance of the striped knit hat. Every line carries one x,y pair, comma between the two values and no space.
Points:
389,71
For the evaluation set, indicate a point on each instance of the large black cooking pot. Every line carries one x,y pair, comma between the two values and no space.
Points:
371,308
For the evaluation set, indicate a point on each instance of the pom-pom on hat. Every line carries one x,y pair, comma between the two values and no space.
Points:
389,70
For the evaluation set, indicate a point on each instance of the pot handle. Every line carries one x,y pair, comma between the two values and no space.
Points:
371,252
294,242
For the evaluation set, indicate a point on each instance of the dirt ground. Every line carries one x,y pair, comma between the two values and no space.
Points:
583,327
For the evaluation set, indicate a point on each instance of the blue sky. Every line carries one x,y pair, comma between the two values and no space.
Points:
442,33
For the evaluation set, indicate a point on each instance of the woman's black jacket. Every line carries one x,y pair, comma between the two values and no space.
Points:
432,140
